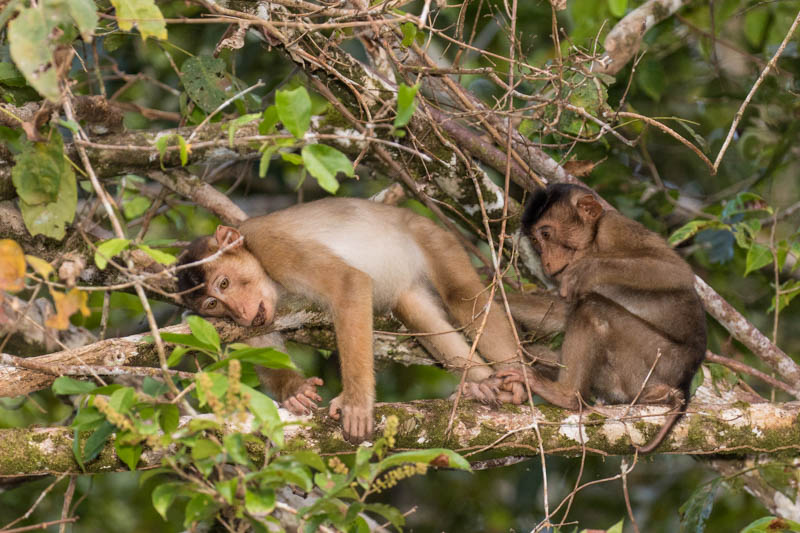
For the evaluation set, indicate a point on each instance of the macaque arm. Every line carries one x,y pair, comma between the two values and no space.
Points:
632,271
539,312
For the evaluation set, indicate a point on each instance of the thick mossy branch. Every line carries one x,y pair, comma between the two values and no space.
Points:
479,433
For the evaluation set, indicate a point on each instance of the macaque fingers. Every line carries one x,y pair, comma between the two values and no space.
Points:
357,421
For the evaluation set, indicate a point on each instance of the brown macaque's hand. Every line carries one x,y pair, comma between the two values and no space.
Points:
514,383
485,391
357,420
305,398
573,280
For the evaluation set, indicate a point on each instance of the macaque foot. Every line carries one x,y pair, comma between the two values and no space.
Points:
514,382
485,391
305,398
357,420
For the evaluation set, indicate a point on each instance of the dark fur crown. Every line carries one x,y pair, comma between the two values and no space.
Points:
543,199
189,278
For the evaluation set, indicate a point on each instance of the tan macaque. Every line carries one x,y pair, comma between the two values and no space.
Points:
355,257
627,306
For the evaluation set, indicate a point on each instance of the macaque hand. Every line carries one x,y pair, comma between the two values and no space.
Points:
305,398
357,419
513,383
573,281
494,390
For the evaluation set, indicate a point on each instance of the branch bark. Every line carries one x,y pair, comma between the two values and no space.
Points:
479,433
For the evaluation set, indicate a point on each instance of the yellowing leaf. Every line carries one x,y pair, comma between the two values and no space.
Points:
67,304
42,267
145,14
12,266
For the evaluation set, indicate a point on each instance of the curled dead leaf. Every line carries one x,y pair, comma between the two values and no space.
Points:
67,304
12,266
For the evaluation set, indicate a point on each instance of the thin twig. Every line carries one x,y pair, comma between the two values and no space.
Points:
753,90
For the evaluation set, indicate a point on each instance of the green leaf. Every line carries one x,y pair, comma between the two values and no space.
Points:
758,256
425,456
324,162
168,417
687,231
31,46
183,150
266,157
228,489
616,528
406,104
176,355
108,249
9,75
771,524
203,77
204,331
260,502
235,448
136,206
294,159
45,183
163,496
265,410
67,385
268,357
188,340
84,15
651,78
87,419
204,448
153,387
617,7
122,399
392,514
237,123
756,23
160,257
145,14
409,30
128,454
200,507
294,110
97,441
268,121
697,508
311,459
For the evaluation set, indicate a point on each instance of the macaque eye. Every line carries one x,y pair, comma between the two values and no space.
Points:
545,233
224,283
211,303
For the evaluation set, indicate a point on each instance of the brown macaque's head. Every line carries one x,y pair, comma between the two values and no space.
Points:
233,285
561,222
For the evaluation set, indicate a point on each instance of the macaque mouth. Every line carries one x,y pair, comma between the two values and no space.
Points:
261,316
554,275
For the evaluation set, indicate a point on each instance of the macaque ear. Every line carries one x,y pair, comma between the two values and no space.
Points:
226,235
589,208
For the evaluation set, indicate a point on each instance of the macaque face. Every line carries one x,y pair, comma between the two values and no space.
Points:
564,228
234,285
237,287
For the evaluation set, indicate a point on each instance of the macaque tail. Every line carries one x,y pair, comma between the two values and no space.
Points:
665,429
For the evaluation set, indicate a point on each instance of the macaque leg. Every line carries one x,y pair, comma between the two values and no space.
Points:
466,299
421,312
295,393
351,305
579,360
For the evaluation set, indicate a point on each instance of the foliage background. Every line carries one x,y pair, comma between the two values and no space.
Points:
681,75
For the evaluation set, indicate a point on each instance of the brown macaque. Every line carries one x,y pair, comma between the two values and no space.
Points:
627,307
354,257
